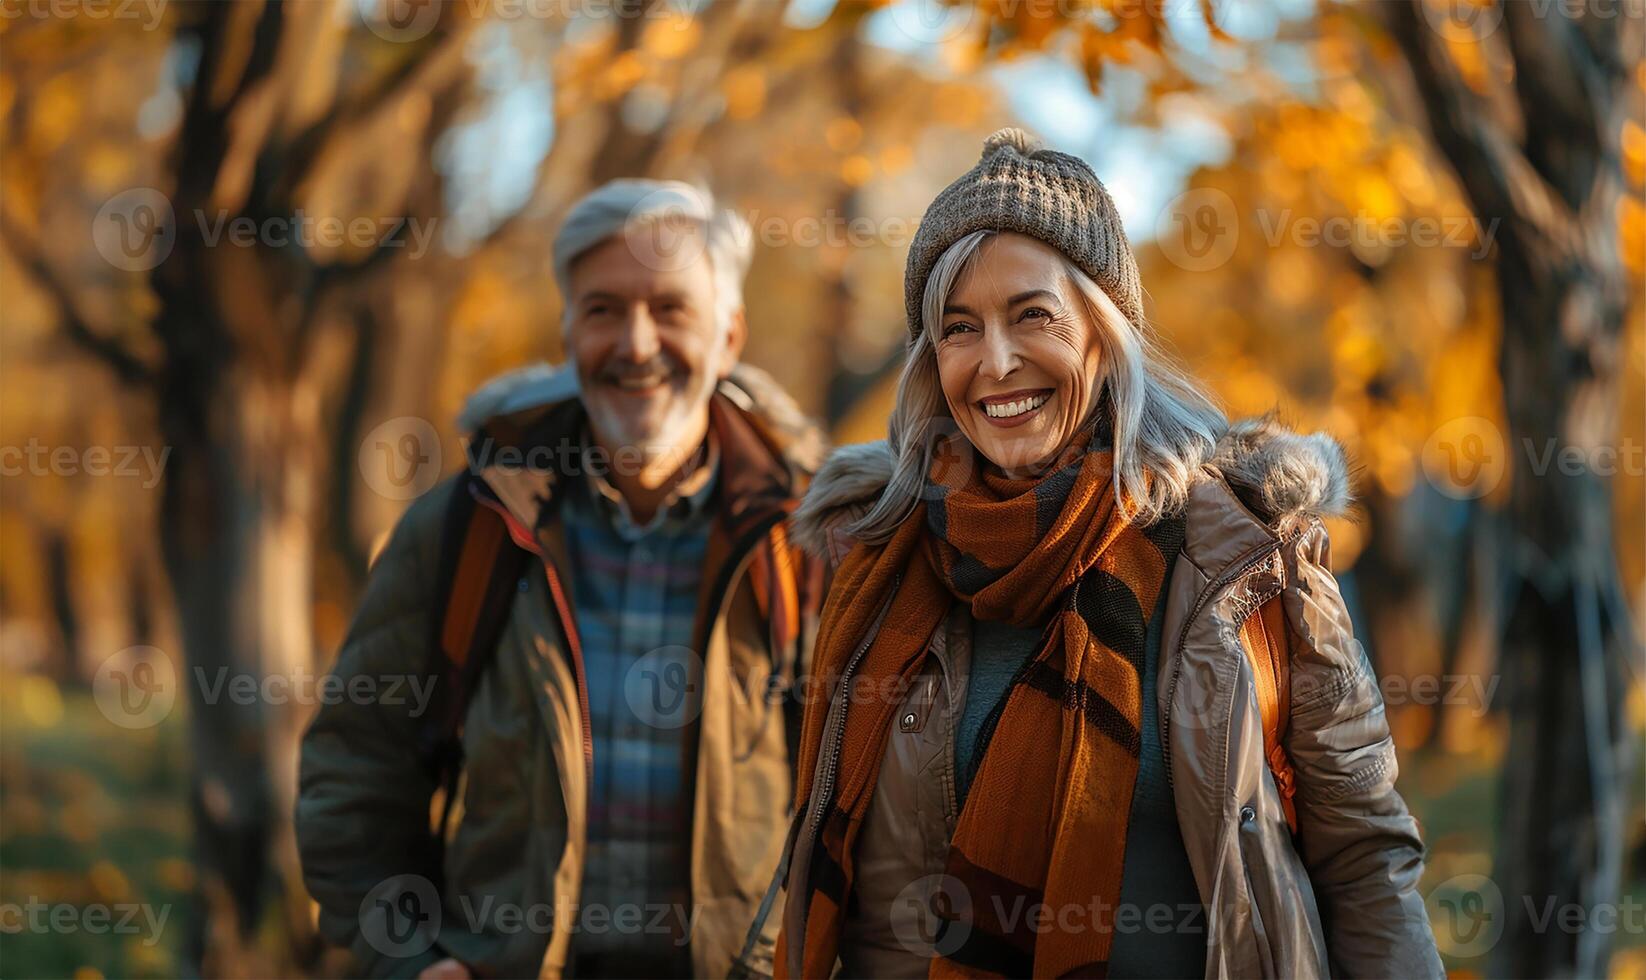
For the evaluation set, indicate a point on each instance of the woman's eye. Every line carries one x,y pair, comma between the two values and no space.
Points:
1036,313
955,328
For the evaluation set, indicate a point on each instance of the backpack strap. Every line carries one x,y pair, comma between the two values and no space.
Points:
478,576
774,573
1263,635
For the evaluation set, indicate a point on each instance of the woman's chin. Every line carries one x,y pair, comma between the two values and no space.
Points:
1012,452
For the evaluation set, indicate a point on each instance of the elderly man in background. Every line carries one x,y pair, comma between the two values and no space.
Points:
614,618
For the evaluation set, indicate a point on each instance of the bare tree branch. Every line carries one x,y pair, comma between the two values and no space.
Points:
127,367
441,67
1498,179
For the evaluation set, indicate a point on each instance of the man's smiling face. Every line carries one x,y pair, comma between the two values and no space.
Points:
647,343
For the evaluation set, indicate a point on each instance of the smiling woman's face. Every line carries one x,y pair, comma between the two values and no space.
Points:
1017,353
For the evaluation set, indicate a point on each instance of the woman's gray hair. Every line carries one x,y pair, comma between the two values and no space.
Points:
1165,430
646,206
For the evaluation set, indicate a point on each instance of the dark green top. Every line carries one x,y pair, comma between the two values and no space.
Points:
999,650
1160,927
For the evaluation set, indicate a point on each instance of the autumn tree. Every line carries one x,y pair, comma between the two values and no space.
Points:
1530,102
267,348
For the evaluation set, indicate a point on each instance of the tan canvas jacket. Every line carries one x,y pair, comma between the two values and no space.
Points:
1338,899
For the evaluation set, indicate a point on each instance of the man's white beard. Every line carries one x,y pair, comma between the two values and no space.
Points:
658,432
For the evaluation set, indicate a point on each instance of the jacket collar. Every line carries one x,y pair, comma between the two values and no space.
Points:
1218,529
524,438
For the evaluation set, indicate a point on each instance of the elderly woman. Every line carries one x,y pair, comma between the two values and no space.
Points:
1089,699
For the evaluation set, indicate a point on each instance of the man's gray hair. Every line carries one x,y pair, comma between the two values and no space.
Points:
627,205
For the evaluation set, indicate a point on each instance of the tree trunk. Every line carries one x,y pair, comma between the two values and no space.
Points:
260,342
1566,636
1539,161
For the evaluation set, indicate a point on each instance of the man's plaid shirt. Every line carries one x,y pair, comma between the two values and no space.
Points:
635,589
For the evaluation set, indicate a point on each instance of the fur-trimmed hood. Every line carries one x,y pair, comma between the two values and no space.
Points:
1283,477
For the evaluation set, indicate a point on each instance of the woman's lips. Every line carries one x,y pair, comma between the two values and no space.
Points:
1014,408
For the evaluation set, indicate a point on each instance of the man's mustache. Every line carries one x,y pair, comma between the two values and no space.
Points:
617,372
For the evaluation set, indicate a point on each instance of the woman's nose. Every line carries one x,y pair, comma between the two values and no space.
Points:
1000,354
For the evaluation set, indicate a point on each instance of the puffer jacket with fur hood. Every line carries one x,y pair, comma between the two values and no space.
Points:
1338,898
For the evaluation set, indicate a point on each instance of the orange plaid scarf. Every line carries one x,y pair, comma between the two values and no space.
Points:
1044,825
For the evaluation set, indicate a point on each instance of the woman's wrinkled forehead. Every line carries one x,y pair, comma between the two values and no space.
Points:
1008,267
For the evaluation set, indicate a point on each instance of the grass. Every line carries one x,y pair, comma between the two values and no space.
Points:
95,869
93,816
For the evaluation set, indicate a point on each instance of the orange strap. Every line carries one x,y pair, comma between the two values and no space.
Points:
776,587
475,564
1263,635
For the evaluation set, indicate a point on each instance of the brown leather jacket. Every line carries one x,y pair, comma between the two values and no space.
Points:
1338,898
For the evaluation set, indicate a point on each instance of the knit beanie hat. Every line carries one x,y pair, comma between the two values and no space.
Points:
1020,186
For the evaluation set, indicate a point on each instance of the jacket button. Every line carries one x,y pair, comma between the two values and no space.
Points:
1247,814
524,585
908,721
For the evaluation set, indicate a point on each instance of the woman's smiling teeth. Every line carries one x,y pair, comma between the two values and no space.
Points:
1011,409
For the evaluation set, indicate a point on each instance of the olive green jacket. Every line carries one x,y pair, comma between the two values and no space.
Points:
501,894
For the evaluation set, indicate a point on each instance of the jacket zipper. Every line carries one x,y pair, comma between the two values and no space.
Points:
950,723
837,742
524,539
1240,568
